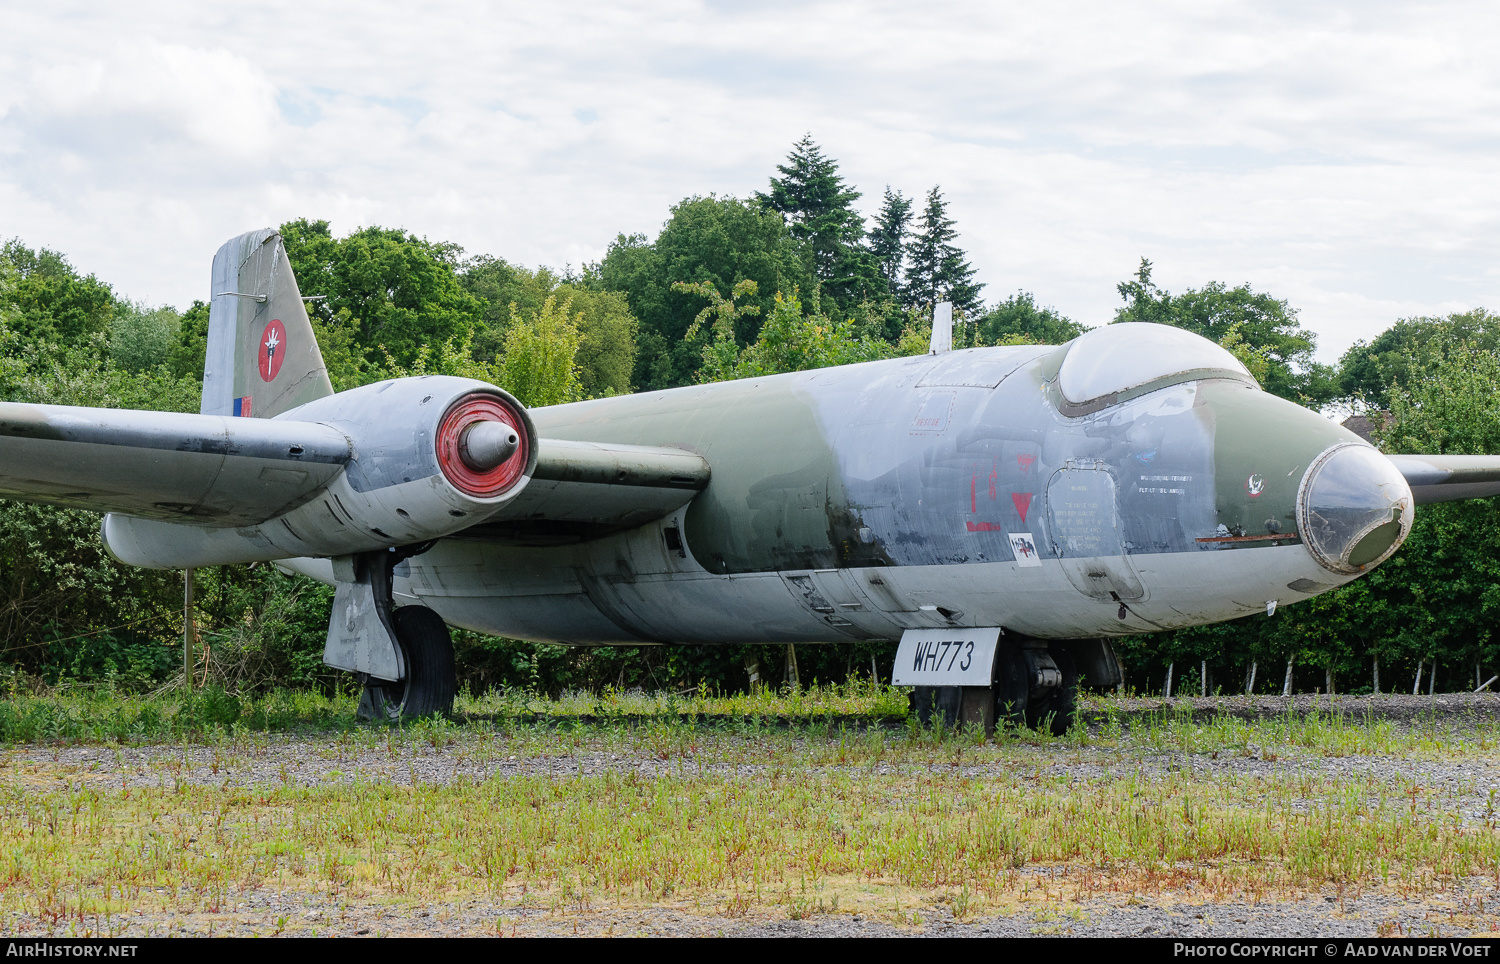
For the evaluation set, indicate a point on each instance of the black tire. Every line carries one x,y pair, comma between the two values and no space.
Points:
1058,708
938,704
1011,685
431,677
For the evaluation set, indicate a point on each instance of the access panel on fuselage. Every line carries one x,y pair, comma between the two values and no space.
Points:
1087,533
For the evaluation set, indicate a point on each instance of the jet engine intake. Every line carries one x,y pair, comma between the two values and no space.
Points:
431,456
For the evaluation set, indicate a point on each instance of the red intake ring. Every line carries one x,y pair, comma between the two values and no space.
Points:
480,407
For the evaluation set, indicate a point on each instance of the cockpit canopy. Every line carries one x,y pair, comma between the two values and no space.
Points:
1114,362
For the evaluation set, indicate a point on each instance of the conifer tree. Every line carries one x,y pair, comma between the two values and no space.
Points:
936,268
819,212
887,243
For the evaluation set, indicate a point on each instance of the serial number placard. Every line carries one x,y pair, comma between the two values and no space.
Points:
945,657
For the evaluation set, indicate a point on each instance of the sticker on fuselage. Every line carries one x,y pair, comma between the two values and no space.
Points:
1024,546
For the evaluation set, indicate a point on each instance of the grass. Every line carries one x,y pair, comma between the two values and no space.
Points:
725,807
101,714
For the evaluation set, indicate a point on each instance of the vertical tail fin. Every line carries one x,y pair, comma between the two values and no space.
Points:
262,357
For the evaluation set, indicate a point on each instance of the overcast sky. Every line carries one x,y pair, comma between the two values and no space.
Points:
1340,156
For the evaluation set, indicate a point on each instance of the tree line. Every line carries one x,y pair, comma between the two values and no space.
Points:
786,279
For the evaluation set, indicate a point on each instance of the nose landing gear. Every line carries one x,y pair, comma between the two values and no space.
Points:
1034,684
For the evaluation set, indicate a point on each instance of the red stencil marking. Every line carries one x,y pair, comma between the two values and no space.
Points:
1022,501
1024,461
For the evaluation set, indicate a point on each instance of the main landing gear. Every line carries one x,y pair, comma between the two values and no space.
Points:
403,656
1034,684
431,677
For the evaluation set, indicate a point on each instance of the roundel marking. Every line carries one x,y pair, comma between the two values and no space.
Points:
272,350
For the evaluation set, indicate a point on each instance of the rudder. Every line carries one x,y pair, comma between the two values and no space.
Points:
262,357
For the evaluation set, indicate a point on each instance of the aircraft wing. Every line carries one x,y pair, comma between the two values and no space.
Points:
205,470
1449,478
219,472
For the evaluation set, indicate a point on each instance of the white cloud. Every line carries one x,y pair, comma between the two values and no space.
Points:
149,96
1338,156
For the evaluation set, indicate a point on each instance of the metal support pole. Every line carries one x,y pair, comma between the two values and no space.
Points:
187,628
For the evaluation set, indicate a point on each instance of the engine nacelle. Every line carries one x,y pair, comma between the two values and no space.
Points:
432,455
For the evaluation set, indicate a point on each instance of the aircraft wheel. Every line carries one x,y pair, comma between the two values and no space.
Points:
431,678
1010,687
1057,709
938,704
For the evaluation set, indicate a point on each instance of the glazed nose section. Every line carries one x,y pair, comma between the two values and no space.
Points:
1353,508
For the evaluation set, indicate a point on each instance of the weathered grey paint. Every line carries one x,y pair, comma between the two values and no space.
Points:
217,472
856,502
253,288
1447,478
954,489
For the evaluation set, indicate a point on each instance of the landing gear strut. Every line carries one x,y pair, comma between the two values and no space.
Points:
403,656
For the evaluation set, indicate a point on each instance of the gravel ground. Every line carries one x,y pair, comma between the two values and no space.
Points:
1466,785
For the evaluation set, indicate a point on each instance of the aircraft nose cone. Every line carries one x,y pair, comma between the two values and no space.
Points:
487,445
1353,508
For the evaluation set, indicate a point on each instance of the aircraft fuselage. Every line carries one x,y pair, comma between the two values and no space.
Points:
942,490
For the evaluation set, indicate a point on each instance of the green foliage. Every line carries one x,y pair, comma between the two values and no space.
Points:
272,636
538,365
1401,354
721,313
49,301
606,351
1019,317
1260,322
400,292
819,211
67,609
189,350
1452,404
888,237
58,585
142,338
722,241
1256,360
791,339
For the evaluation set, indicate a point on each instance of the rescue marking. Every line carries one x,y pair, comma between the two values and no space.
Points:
1022,501
1024,461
